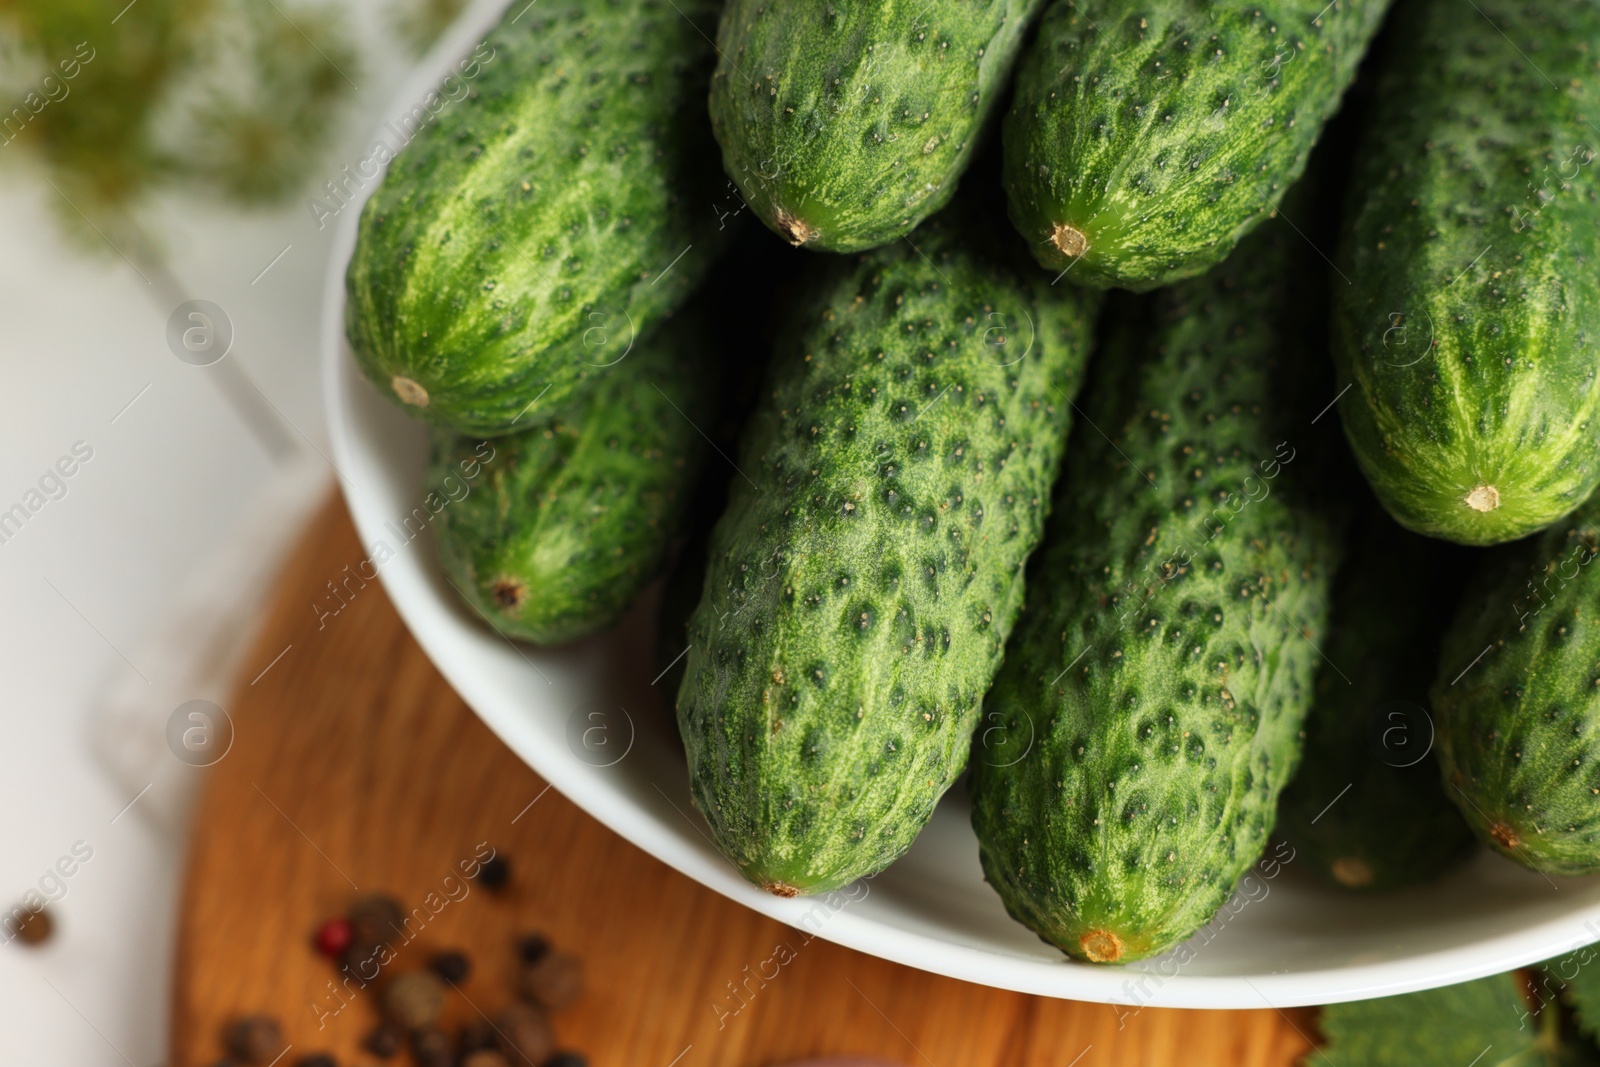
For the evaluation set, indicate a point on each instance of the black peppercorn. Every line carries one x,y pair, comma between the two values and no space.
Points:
255,1039
414,999
567,1059
476,1035
554,980
430,1047
384,1041
494,873
375,920
531,948
451,965
363,962
524,1034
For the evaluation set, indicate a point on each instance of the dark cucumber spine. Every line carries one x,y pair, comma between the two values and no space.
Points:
1367,810
862,582
1469,326
845,125
546,222
1145,140
1149,710
1518,699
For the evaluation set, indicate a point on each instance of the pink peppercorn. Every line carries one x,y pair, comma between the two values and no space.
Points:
334,936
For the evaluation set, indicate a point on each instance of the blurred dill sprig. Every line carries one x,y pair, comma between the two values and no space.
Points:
264,111
229,98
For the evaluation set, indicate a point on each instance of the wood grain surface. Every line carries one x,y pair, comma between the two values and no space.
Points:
355,768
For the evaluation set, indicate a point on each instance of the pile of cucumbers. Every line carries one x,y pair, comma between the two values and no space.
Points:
1060,502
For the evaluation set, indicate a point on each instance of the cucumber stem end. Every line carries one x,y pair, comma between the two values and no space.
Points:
1504,834
793,230
409,391
1069,240
1101,946
509,593
1483,498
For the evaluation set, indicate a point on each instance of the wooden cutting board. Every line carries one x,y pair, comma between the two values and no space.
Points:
355,769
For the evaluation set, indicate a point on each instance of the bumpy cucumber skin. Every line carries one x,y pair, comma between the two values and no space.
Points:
521,243
1469,326
1366,810
1518,700
862,583
1161,133
845,125
1149,710
571,520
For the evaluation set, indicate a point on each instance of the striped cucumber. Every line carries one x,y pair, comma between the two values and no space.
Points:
1146,139
1467,331
845,125
546,222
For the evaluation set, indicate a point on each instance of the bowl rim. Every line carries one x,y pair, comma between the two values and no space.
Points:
417,602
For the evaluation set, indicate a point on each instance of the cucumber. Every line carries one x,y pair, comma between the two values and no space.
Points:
546,221
1145,140
845,125
1518,699
1366,810
569,521
862,582
1149,710
1468,326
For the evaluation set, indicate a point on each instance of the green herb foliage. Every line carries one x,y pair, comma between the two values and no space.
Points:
231,99
1492,1022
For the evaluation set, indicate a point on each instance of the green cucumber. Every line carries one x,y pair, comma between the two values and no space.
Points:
546,221
572,519
1366,810
863,580
845,125
1149,710
1468,324
1518,699
1145,140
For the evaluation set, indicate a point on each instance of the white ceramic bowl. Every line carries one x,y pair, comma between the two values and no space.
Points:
587,719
